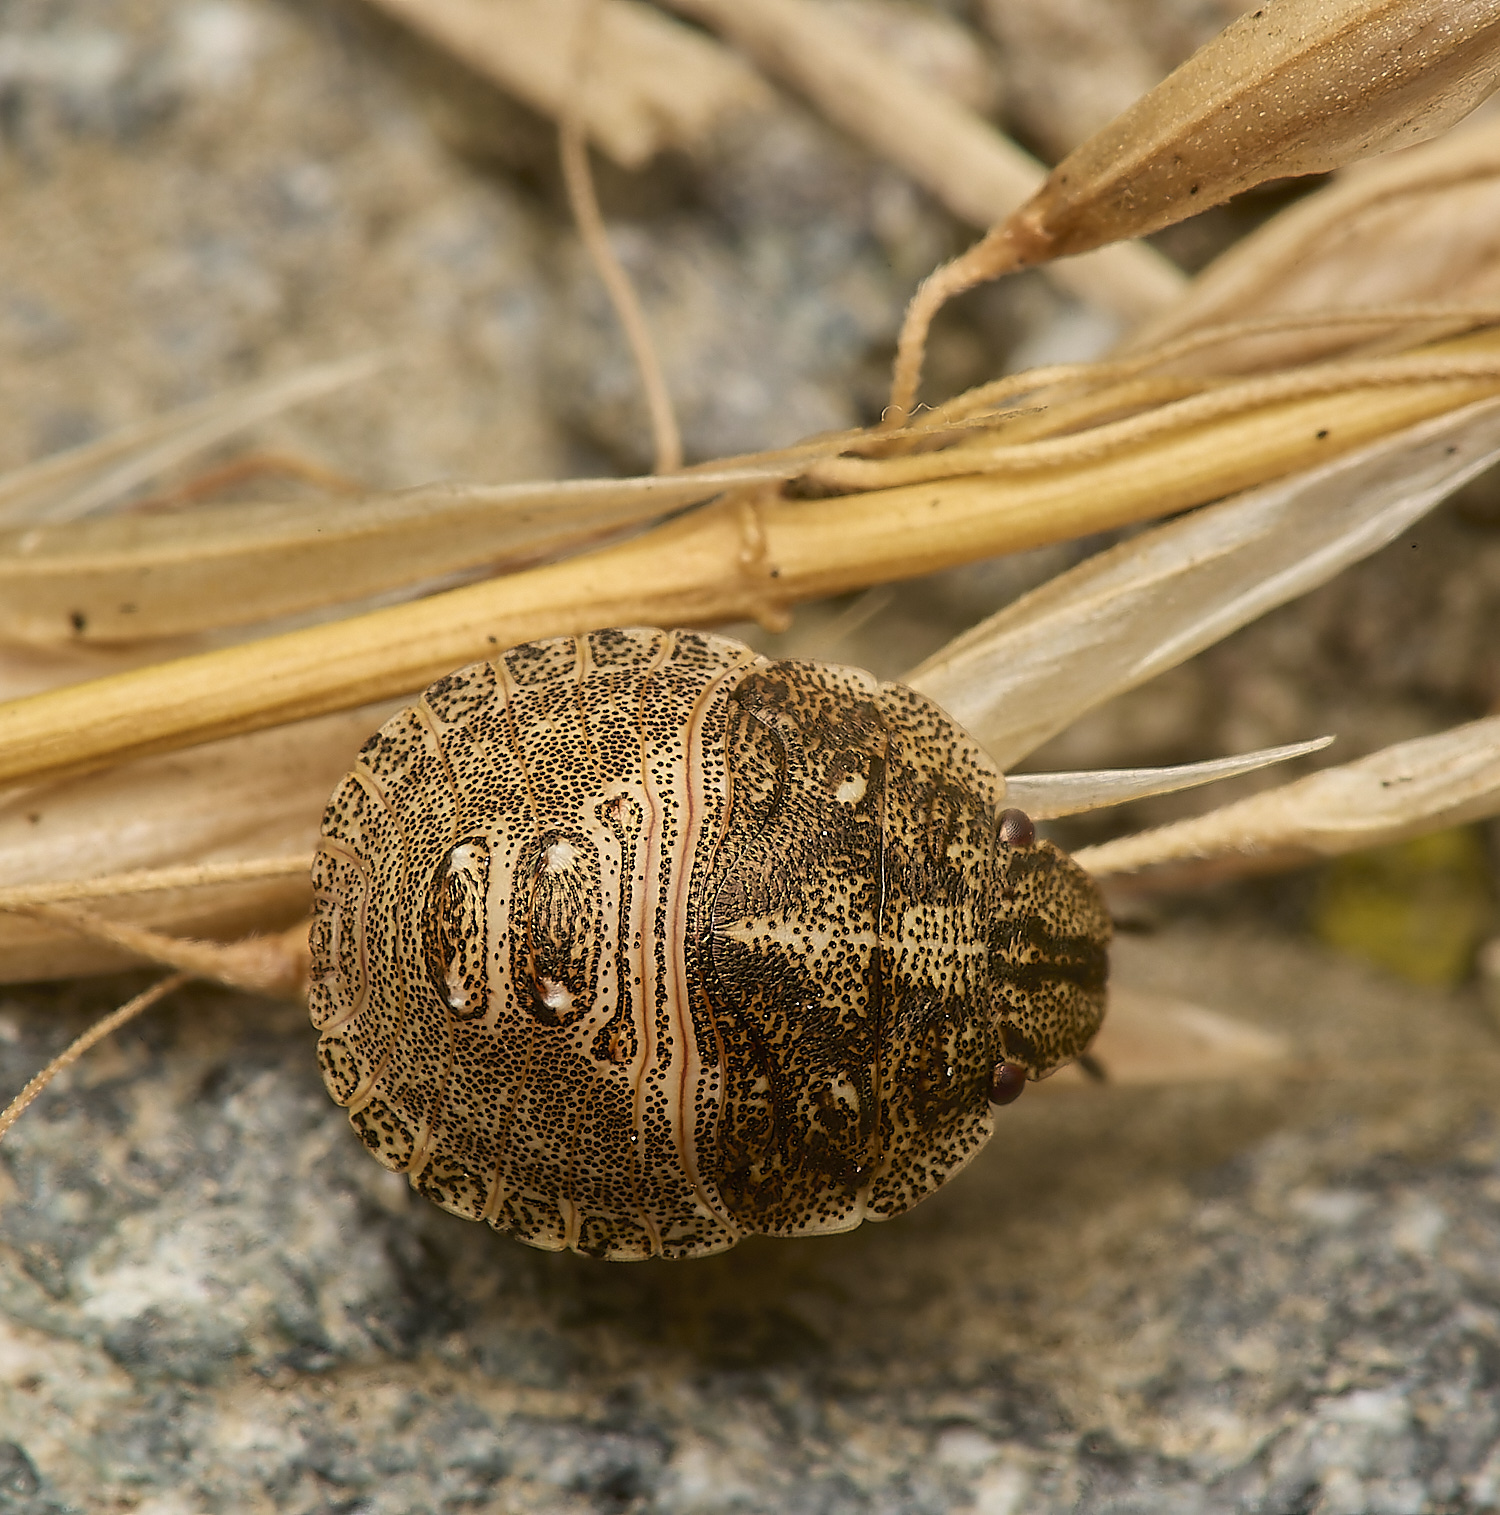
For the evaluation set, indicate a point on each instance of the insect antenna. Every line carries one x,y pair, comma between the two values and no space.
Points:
1091,1065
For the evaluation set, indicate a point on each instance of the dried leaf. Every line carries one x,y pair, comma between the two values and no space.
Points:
1294,87
665,86
1045,796
1148,604
1399,792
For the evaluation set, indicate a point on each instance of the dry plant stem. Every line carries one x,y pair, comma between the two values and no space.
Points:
276,965
150,880
997,457
1056,413
90,1038
1039,384
990,257
695,572
113,579
953,153
584,203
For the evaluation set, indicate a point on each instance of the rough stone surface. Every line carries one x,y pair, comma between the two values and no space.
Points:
1262,1297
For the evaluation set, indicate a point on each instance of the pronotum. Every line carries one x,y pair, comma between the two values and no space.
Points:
637,943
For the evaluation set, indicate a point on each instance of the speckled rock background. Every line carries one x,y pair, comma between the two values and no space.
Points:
1269,1297
1272,1296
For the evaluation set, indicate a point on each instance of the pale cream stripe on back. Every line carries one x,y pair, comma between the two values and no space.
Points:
643,928
690,1066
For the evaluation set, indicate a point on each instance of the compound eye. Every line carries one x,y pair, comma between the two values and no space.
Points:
1007,1083
1017,829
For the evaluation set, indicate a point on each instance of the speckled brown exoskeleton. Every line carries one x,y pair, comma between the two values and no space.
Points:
638,943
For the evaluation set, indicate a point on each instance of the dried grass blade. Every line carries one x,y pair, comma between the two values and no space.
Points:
1396,793
151,880
1042,392
1045,796
746,556
140,577
1148,604
175,843
84,479
1474,358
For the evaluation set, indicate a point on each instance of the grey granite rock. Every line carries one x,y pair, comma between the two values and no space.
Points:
1261,1297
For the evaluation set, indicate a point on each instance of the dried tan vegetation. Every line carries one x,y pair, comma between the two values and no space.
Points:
1303,401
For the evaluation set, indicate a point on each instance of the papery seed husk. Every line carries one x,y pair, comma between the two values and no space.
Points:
1294,87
